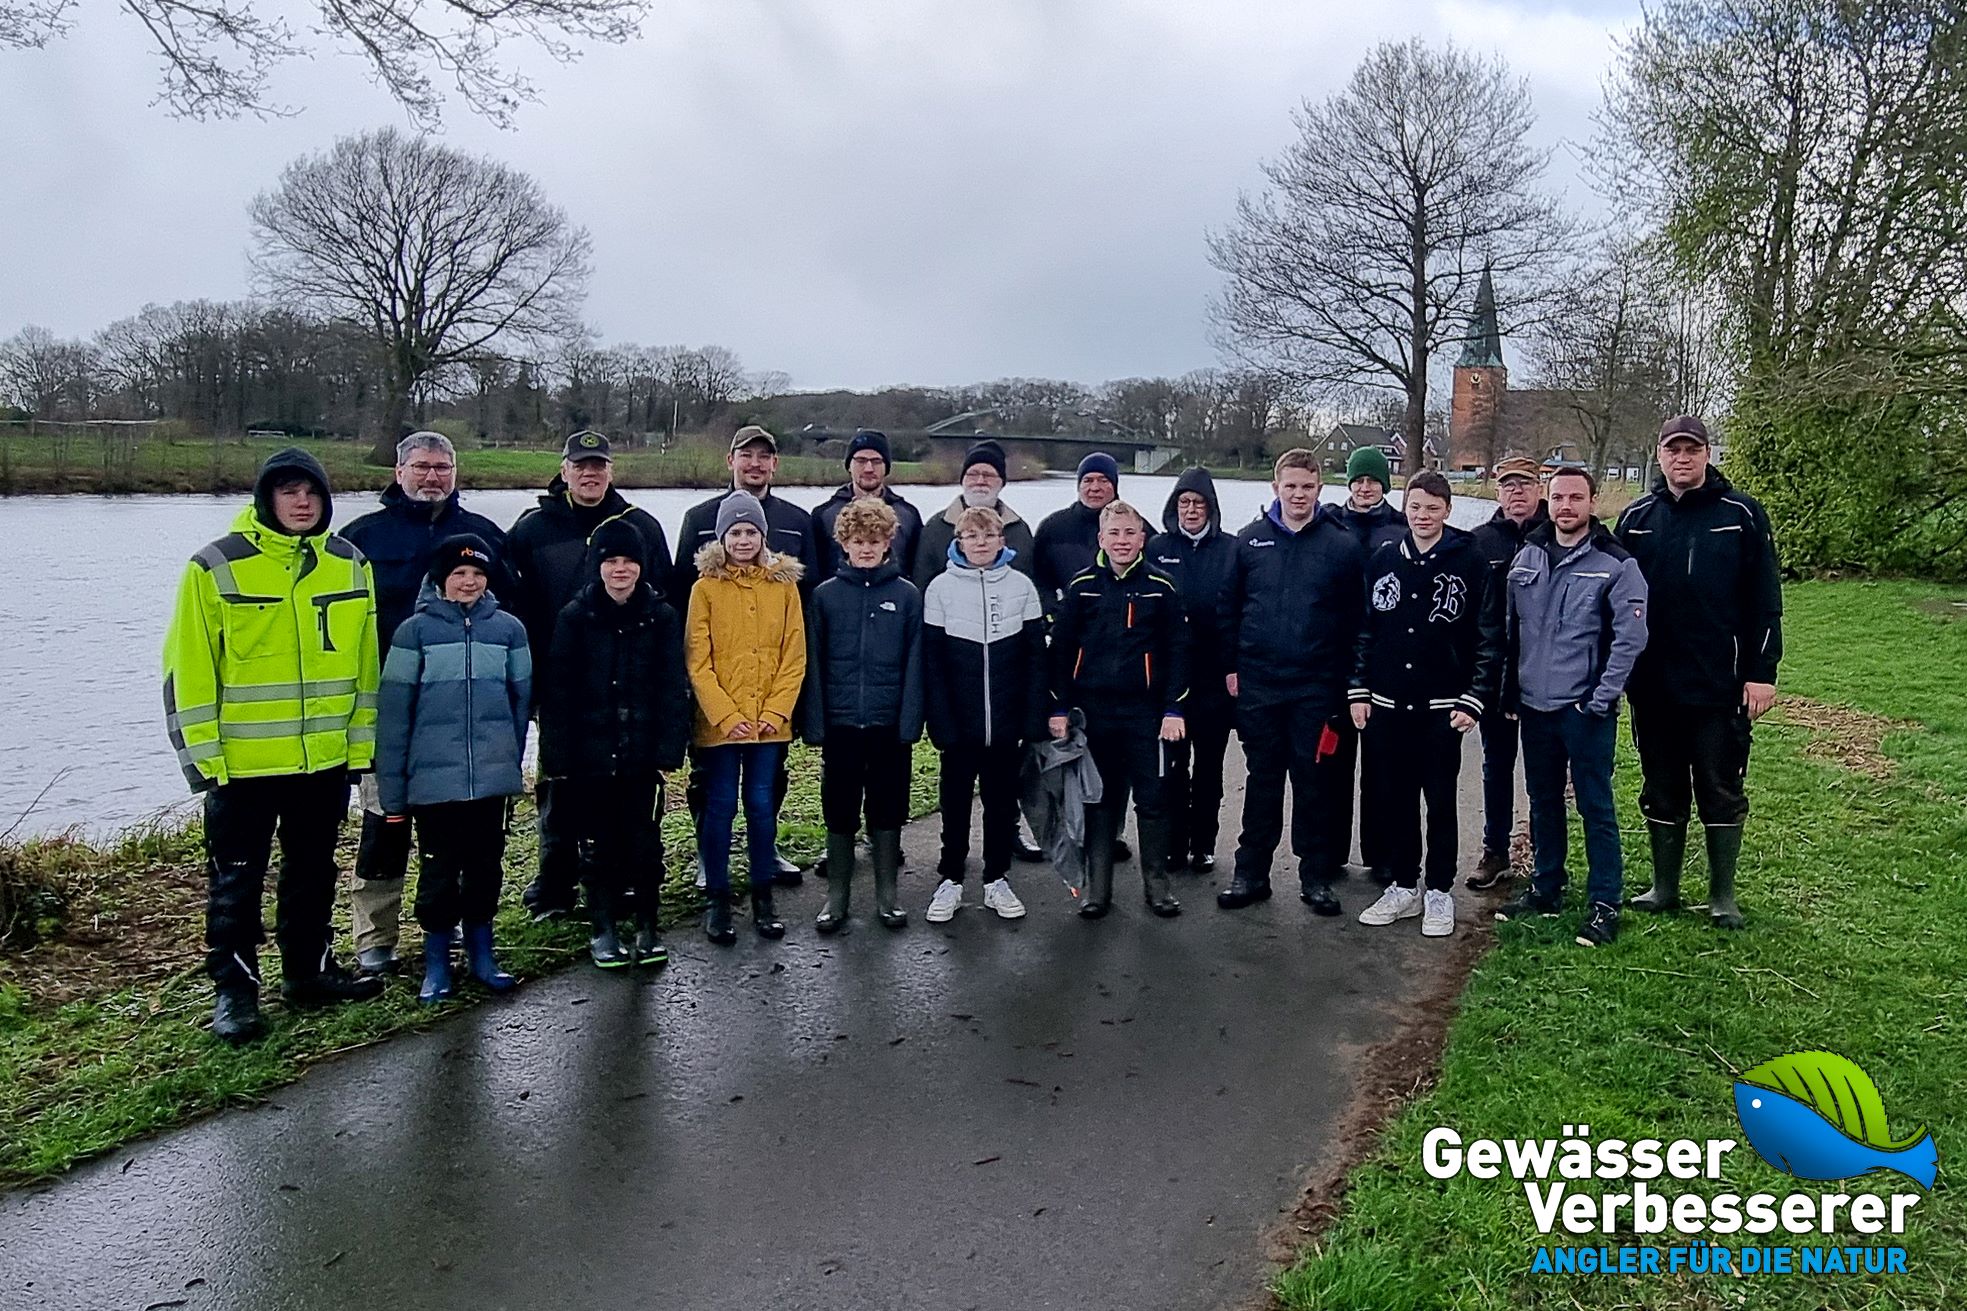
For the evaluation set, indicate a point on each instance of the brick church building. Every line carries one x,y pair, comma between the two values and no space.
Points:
1488,420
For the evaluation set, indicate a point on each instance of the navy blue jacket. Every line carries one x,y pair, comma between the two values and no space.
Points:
398,539
791,535
1291,610
1200,567
1067,543
1120,645
864,654
451,720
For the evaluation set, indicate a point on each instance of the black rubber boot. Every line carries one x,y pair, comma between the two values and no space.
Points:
1100,828
839,882
1154,867
886,848
605,946
717,919
764,915
236,1015
649,950
1724,852
1669,842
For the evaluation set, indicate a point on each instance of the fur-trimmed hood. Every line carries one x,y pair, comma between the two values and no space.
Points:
712,563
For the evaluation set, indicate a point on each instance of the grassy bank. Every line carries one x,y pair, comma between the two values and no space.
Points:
1854,878
115,462
102,1035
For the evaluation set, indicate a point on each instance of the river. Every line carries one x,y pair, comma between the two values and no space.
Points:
89,587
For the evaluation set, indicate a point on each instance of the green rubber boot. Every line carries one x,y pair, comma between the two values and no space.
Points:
1724,852
887,847
839,882
1669,856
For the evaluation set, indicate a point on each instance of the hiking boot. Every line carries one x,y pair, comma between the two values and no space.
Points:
839,883
650,953
764,915
436,985
236,1015
1243,892
1526,904
717,920
544,904
943,906
785,873
885,849
605,948
998,897
1437,914
1669,843
1396,903
328,985
1724,853
483,964
1319,897
1491,868
1600,927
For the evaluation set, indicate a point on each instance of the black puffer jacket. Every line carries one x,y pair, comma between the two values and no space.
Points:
1200,567
398,539
1290,611
546,554
1433,636
1067,543
1376,527
863,654
619,702
1715,596
908,531
1120,645
791,536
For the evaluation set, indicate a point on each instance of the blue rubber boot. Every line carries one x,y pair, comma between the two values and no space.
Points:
436,969
484,968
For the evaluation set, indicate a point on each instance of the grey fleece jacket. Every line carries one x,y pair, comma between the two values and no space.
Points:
1576,625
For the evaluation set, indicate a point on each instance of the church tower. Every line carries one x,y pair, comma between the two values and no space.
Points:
1475,409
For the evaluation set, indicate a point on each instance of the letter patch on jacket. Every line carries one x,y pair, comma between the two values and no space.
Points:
1449,593
1386,592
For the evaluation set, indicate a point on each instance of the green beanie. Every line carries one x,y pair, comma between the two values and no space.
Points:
1368,462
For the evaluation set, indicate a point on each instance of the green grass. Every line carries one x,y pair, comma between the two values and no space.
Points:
121,1060
1856,891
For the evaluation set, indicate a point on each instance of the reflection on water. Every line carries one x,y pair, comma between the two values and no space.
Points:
87,595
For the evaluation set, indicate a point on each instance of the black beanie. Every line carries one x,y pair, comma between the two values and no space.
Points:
869,439
986,452
456,552
617,536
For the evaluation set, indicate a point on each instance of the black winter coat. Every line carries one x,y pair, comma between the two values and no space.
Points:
939,534
983,656
1434,636
1715,596
546,552
791,535
1376,527
1067,544
619,702
908,531
1200,567
863,654
398,540
1120,645
1499,538
1291,610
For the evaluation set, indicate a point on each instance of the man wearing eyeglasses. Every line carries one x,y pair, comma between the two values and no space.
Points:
868,465
419,509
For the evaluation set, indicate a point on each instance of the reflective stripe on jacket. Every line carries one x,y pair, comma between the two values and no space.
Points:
271,665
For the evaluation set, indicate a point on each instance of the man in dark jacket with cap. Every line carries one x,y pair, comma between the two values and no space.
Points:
419,509
982,477
1069,539
1520,510
1197,554
547,554
1710,669
868,463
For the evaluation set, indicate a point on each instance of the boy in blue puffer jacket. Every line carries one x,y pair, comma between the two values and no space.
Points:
456,688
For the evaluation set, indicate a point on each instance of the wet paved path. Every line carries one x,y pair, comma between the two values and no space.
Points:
1043,1114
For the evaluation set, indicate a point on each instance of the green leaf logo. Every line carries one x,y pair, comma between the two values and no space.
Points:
1836,1089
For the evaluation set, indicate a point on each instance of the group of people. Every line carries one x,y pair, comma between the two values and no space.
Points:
1059,674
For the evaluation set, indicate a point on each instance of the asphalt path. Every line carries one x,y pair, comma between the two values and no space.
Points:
1031,1114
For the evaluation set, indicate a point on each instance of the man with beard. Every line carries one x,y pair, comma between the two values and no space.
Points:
868,465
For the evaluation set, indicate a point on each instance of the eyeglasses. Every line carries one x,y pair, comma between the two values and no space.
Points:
866,461
431,468
980,537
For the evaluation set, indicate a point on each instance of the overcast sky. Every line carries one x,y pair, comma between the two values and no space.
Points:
934,192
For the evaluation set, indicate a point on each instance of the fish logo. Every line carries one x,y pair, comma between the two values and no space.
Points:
1816,1115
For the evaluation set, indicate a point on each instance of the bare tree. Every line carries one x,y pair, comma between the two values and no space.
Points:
219,56
48,377
1360,259
442,256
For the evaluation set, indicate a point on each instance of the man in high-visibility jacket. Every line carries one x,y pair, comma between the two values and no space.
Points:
270,679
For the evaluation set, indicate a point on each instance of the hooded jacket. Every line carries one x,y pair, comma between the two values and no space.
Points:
1291,610
791,536
1715,593
1433,630
619,702
1577,623
744,644
939,534
1068,543
983,653
864,654
456,690
1375,527
546,554
271,661
1120,645
398,538
908,531
1200,567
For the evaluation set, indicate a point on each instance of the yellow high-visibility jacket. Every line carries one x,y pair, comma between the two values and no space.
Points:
271,664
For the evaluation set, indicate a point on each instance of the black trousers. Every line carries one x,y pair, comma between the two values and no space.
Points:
1194,783
384,851
1412,755
619,819
1352,760
1128,754
1691,755
1280,741
560,849
863,767
462,862
966,769
241,820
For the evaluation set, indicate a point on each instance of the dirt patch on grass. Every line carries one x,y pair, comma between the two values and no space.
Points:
1945,607
123,927
1842,736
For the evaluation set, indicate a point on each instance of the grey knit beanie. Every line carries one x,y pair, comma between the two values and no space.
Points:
740,507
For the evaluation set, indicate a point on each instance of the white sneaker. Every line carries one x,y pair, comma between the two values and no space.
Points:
1396,903
1438,919
999,897
944,905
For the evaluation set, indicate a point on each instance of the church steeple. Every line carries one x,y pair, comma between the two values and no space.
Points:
1483,347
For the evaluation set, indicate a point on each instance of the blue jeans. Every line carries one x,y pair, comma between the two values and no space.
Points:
1499,735
1554,741
758,764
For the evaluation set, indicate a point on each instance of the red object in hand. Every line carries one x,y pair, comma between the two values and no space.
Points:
1328,742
